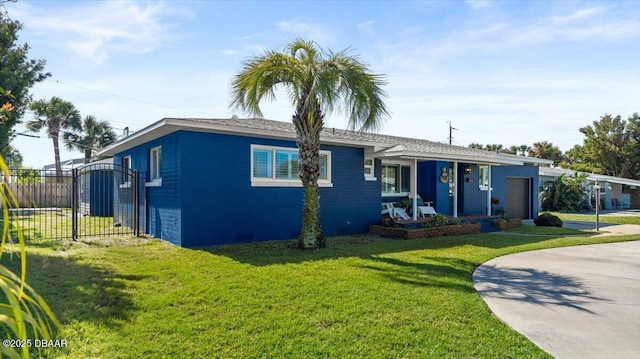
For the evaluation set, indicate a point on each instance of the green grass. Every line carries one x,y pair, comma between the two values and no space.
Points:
362,297
603,218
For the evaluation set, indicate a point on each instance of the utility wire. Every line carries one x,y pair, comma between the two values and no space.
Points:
128,98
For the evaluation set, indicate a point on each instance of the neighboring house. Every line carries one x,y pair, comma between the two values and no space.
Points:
215,181
613,190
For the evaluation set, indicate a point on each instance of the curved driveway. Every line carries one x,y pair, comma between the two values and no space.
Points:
573,302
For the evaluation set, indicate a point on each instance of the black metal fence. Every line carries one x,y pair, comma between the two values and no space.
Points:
92,200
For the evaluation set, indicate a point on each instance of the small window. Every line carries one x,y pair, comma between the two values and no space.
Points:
155,163
126,162
483,177
125,174
369,169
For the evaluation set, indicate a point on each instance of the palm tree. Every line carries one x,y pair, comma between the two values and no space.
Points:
91,135
546,150
317,82
55,115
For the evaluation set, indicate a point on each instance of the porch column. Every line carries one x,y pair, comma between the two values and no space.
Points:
489,189
455,188
414,188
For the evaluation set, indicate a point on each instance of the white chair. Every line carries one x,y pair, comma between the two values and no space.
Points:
427,210
393,211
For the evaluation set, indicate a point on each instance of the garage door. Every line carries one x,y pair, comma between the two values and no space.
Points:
518,198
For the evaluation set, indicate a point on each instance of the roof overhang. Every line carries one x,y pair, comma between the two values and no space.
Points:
169,125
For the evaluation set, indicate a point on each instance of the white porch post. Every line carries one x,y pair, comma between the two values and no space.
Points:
489,189
454,173
414,188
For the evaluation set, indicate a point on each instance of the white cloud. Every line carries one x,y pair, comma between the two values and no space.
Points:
579,14
367,27
99,30
477,4
302,27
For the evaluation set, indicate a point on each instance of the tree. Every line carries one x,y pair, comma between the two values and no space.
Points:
546,150
565,194
90,136
477,146
318,83
54,115
612,146
17,74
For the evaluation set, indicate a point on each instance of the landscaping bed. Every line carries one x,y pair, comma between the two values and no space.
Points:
412,233
507,224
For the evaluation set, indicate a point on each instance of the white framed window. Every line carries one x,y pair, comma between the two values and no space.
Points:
396,179
483,177
369,169
155,164
278,167
125,182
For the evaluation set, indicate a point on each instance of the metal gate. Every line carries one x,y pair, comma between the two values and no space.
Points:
93,200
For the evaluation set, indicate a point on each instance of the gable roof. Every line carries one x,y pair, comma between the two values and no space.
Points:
375,145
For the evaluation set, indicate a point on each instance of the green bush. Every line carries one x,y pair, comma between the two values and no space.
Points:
548,220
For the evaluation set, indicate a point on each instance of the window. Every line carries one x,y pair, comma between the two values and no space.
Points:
483,177
396,178
125,180
278,166
155,162
369,169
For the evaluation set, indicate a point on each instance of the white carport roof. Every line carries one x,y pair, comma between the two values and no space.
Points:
557,172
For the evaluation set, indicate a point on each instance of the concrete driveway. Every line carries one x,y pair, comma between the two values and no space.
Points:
574,302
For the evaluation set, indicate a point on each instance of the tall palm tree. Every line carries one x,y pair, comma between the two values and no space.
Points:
90,136
318,83
546,150
54,115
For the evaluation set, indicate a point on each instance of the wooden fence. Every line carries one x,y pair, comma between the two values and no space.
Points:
42,195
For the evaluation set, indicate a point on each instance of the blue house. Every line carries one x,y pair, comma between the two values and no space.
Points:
217,181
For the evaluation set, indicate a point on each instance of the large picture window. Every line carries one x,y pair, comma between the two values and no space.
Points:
396,178
278,166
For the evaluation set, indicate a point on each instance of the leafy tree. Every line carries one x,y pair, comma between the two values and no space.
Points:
565,194
54,115
17,74
317,82
90,136
546,150
612,146
26,175
477,146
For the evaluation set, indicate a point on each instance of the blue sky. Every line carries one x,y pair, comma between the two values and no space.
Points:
505,72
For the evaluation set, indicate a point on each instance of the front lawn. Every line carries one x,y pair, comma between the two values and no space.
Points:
603,218
362,297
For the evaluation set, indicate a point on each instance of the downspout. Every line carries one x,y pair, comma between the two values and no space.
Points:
489,189
455,188
414,189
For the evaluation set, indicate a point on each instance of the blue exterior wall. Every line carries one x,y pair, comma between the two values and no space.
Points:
220,206
160,206
430,188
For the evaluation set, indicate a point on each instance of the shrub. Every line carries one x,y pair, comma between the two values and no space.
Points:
548,220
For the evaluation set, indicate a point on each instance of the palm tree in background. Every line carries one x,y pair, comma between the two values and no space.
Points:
55,116
318,83
90,136
546,150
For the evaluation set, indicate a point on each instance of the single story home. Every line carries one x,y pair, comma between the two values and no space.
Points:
615,192
217,181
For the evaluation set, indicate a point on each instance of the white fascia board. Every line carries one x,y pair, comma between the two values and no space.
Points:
151,132
446,158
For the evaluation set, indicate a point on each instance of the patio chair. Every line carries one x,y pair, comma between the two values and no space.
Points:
427,210
393,211
615,204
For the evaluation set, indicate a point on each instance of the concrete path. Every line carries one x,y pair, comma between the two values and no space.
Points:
574,302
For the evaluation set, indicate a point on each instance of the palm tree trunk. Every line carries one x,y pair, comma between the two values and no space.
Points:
56,152
308,141
87,156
